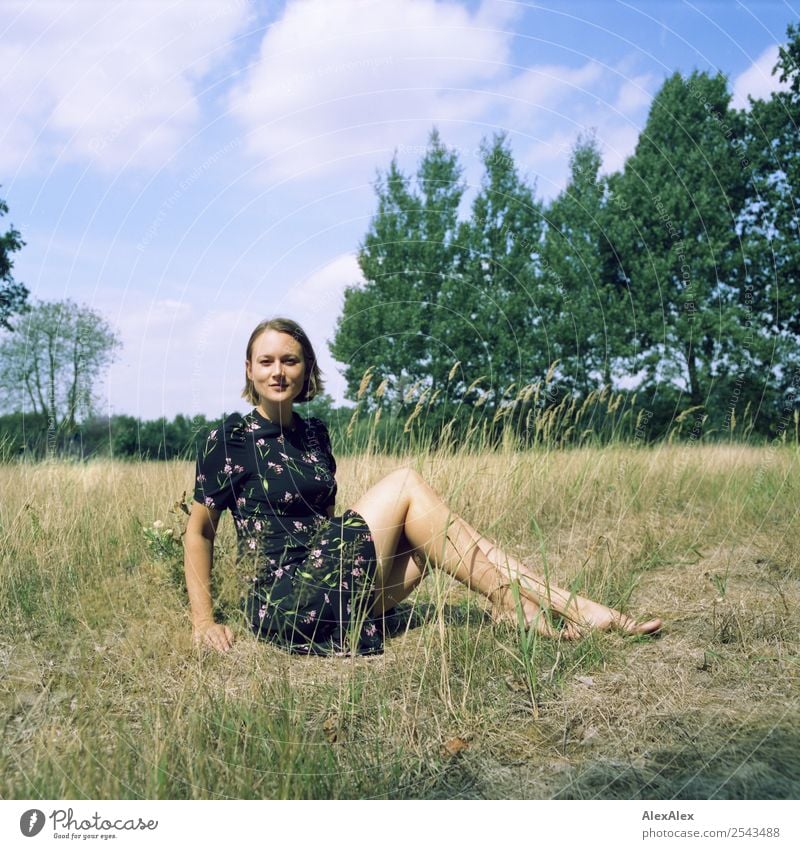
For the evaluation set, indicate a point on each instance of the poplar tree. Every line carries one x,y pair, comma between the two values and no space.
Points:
390,325
583,306
494,327
674,210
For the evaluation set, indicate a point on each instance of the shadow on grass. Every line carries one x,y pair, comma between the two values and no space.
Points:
745,763
405,617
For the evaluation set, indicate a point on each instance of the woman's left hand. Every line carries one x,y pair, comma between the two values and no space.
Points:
214,635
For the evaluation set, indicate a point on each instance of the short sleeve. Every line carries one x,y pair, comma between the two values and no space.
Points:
221,469
321,430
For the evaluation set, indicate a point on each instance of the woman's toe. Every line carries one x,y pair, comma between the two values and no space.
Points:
650,627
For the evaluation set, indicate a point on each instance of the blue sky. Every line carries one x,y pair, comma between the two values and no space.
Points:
189,168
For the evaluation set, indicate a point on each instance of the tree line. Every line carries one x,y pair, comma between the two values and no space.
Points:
673,282
33,436
123,437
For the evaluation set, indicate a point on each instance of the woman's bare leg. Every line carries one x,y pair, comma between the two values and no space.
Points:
407,517
406,571
581,612
404,506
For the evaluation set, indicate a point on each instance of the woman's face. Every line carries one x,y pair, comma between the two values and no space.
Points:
277,367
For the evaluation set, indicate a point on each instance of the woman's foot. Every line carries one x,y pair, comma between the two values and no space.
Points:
577,615
580,615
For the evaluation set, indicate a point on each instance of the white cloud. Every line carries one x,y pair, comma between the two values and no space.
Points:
543,85
757,81
345,78
177,356
111,83
634,94
340,84
322,292
187,356
337,85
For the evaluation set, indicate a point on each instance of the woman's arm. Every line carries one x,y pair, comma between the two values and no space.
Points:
198,556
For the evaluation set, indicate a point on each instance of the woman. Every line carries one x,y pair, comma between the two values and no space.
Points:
321,583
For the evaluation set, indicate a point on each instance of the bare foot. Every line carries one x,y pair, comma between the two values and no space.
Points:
579,615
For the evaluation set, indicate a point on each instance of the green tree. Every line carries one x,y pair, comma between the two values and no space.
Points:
673,230
448,303
321,406
583,305
51,364
492,321
388,326
21,434
13,295
770,226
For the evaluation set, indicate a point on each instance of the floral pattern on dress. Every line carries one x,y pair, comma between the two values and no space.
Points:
310,577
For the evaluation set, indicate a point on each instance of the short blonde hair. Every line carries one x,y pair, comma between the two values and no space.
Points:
313,383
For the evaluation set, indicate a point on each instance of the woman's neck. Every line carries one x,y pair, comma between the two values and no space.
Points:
278,415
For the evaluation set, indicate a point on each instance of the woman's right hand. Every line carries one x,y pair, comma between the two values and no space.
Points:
213,635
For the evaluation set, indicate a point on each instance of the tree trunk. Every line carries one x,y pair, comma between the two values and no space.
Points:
52,424
694,384
51,380
30,393
694,388
38,377
73,390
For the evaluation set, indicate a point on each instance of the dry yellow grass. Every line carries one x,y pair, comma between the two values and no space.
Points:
103,696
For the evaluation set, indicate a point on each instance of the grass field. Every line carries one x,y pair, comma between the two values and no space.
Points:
103,696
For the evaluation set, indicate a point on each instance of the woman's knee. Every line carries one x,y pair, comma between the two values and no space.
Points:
406,477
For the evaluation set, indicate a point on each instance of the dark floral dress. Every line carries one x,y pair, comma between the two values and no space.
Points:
311,577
